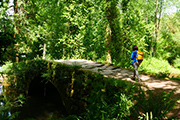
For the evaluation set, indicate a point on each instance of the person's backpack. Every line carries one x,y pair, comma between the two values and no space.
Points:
139,55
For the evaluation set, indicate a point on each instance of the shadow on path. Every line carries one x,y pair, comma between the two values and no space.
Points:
154,84
163,85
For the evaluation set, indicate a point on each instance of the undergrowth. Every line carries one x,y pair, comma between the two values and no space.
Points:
158,67
105,98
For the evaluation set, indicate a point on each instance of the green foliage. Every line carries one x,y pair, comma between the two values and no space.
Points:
7,67
7,51
6,34
176,63
94,87
168,44
157,104
108,100
5,19
6,116
69,29
104,98
157,67
81,29
18,76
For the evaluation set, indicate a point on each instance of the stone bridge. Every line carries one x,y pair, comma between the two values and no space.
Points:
155,84
71,82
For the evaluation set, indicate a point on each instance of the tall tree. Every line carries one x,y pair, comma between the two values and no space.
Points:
108,29
158,12
114,40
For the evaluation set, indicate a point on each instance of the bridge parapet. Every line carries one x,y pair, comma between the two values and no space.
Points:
74,80
72,84
71,81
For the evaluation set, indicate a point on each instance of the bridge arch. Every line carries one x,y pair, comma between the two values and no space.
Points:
57,77
39,86
71,81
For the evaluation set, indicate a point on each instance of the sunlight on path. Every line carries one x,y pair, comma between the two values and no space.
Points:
158,85
124,74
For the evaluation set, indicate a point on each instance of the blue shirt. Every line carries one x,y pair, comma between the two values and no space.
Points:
133,56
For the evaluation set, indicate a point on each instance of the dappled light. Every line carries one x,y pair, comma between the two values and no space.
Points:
81,84
95,59
154,84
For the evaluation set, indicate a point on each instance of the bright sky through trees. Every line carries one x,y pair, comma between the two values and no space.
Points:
168,11
171,10
11,10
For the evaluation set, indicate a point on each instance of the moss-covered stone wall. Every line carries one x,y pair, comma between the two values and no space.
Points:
72,82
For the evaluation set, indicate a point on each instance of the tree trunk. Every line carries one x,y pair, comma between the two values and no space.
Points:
44,51
108,44
156,28
16,27
108,31
15,17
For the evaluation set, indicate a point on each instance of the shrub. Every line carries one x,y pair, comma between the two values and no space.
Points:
105,98
153,104
108,101
158,67
177,63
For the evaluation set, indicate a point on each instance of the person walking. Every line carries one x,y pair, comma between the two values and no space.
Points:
137,57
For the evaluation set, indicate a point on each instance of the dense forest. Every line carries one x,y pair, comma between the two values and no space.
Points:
99,30
90,29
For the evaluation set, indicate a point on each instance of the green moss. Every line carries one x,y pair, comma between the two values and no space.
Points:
85,94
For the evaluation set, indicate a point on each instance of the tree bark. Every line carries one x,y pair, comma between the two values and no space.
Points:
108,31
16,27
156,28
108,44
44,51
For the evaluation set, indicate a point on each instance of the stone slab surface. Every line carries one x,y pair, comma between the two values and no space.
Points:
125,74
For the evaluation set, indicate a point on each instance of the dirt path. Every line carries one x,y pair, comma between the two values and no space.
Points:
154,84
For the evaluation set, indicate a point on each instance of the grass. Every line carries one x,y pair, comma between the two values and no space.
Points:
106,98
159,68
